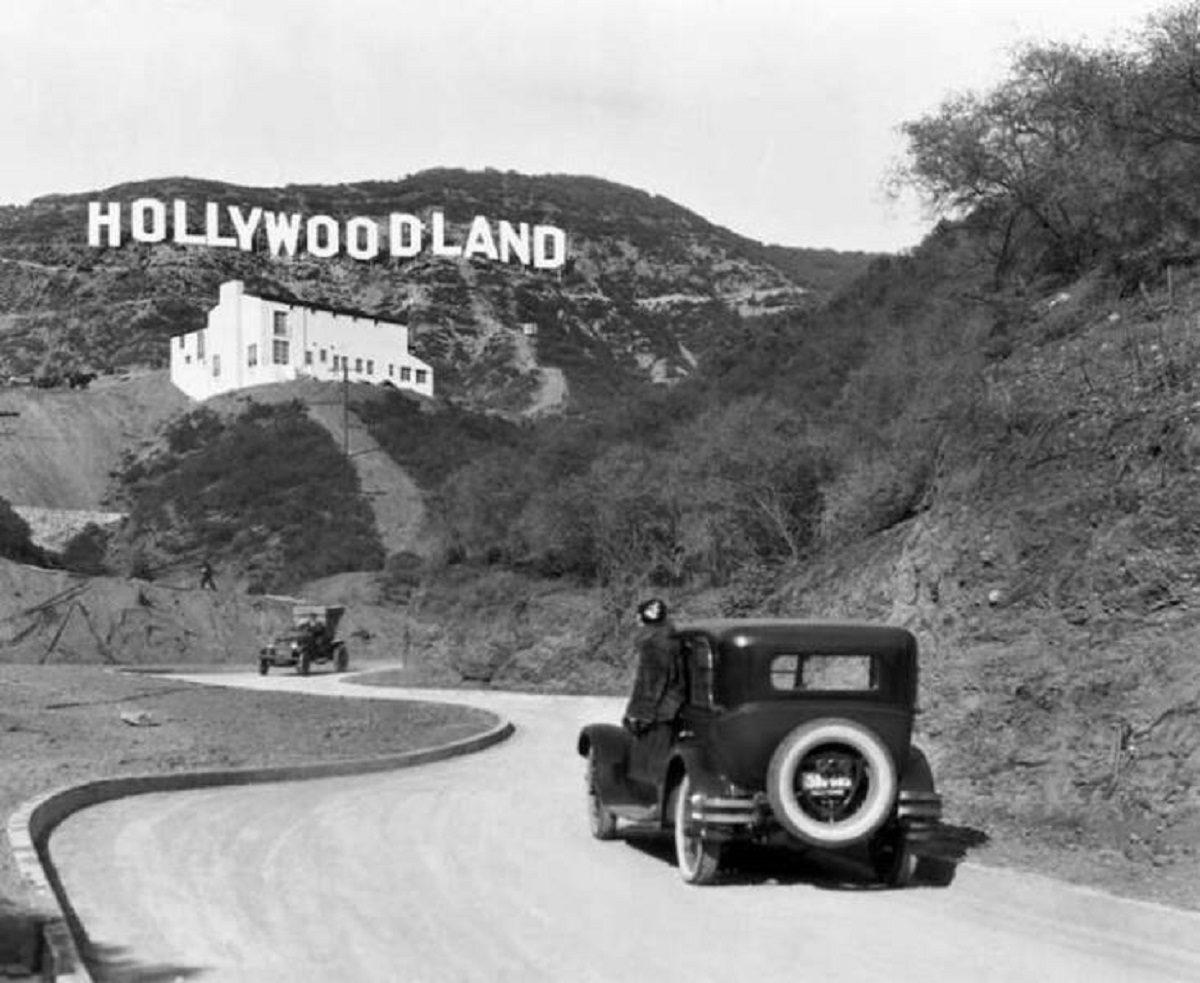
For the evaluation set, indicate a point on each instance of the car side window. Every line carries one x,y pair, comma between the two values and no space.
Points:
699,665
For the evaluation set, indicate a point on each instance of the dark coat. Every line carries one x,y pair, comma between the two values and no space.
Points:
658,688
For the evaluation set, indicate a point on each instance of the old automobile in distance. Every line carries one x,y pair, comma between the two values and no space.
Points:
793,734
312,638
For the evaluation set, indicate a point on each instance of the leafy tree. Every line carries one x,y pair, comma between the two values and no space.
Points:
1079,155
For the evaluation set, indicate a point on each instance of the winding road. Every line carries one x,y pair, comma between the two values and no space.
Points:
481,868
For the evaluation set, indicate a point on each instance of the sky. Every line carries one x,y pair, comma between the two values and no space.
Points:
778,119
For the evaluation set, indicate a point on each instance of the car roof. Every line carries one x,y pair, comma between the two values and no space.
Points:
801,631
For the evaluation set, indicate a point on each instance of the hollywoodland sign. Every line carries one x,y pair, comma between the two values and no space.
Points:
289,233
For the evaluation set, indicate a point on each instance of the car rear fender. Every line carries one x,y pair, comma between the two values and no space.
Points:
693,761
611,746
918,806
917,775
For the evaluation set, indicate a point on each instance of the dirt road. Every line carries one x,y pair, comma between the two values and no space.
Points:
482,868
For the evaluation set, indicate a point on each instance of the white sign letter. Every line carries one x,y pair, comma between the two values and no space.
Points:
397,223
157,212
544,236
439,238
282,232
182,235
512,241
245,226
312,237
479,239
212,227
109,219
356,246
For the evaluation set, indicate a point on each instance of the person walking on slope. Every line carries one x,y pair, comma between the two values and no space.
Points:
206,577
658,690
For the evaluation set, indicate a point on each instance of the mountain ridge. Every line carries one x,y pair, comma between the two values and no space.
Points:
647,288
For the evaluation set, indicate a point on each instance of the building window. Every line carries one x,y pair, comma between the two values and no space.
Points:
323,353
280,324
308,359
335,363
187,359
358,365
405,373
421,373
279,352
391,370
181,341
370,366
200,346
252,355
216,365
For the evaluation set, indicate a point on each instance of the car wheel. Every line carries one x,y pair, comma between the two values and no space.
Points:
305,662
893,860
342,659
602,819
831,783
699,860
263,666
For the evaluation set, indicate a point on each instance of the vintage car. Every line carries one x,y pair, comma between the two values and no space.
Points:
311,638
792,733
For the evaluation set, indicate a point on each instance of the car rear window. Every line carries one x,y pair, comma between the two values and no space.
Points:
816,671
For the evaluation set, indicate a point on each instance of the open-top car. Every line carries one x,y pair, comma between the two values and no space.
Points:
791,732
312,638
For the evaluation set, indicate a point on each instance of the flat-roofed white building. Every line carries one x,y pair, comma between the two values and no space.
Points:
252,340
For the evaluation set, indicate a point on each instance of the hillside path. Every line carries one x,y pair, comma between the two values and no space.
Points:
395,498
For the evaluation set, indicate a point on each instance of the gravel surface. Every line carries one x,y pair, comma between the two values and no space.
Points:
62,725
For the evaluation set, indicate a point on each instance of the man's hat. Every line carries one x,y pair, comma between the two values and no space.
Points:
652,611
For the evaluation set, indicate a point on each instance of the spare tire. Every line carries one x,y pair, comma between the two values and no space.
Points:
831,782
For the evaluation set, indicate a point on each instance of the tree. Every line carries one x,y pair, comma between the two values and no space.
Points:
1078,155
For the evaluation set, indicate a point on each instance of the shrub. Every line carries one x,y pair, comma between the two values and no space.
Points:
85,551
16,541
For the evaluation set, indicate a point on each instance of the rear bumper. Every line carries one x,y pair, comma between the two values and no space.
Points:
727,817
919,814
750,816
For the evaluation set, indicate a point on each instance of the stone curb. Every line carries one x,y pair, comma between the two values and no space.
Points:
29,828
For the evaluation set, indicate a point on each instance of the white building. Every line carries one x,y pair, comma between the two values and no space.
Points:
252,340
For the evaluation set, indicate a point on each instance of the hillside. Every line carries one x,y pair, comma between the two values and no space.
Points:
993,440
60,448
647,288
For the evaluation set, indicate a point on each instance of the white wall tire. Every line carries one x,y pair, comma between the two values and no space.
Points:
699,860
820,745
601,820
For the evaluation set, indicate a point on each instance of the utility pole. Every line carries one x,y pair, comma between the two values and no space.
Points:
345,407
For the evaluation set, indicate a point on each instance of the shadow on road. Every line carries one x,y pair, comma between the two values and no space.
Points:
116,964
747,863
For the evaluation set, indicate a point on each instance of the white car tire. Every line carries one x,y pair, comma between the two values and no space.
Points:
877,770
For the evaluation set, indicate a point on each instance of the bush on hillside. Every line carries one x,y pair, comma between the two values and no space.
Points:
268,494
85,551
16,541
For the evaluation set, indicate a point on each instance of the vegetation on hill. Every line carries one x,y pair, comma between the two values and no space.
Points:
647,285
1082,158
15,537
994,440
266,495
